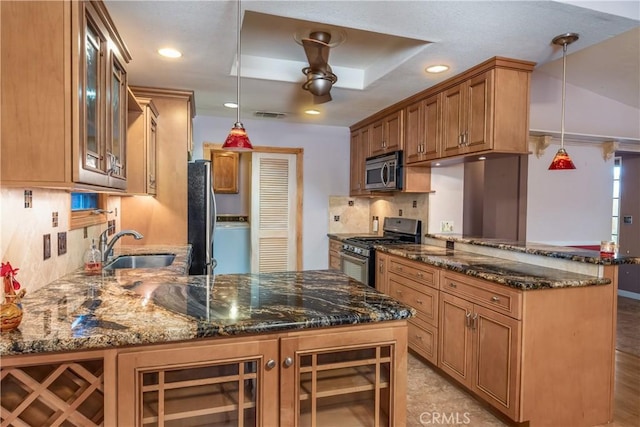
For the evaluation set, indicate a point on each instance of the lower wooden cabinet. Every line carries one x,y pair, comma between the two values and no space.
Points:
335,246
347,376
382,281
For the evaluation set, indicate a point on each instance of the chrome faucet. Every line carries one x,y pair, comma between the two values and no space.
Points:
107,248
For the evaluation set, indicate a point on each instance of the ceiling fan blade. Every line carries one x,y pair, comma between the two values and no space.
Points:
317,53
321,99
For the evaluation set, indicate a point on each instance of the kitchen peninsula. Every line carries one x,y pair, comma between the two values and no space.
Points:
154,346
527,328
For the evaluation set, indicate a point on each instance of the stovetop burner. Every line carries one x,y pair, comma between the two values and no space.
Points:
371,240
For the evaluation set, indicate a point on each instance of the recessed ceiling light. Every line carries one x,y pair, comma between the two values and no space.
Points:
230,105
482,158
436,69
312,112
169,53
437,164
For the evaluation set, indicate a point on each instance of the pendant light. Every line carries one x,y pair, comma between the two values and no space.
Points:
562,161
238,140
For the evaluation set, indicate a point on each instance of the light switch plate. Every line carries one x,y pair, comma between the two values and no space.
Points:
46,246
62,243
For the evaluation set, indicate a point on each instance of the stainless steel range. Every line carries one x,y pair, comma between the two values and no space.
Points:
358,257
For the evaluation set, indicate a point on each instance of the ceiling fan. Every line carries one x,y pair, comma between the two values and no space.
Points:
320,78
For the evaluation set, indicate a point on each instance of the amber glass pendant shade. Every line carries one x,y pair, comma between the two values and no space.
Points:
562,161
237,140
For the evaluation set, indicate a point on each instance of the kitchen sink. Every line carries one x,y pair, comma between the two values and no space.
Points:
141,261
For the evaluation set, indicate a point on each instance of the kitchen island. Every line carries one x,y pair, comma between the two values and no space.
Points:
153,346
528,328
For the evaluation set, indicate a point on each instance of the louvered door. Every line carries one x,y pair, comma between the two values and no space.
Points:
273,212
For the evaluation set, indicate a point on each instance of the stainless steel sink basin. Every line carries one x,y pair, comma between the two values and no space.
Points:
141,261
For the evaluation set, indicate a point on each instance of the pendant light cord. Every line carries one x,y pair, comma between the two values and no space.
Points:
238,62
564,84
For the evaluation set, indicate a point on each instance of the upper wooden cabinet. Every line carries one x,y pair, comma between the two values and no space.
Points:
225,171
359,153
64,96
423,130
386,134
142,136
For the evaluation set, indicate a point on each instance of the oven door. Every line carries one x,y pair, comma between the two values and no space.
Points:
356,267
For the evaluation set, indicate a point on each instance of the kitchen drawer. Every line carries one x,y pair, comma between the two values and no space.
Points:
335,245
423,339
499,298
425,301
414,270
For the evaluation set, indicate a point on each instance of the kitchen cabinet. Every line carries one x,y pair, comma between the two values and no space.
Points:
142,137
422,130
359,153
486,112
59,389
232,381
387,134
480,347
382,263
335,246
416,285
64,96
225,171
163,219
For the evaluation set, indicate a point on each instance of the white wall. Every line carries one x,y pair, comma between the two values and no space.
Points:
446,203
586,112
571,207
325,169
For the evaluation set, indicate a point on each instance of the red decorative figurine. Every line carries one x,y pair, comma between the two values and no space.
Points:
10,309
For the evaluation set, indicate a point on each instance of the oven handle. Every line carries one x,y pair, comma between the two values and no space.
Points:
354,258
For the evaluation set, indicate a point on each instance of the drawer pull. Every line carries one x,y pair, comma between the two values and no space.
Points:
419,337
271,364
399,292
288,362
495,299
452,285
419,301
467,320
419,274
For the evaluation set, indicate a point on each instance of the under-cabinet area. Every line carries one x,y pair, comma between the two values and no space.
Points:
507,345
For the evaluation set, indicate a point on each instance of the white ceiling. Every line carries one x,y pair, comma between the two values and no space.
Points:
382,59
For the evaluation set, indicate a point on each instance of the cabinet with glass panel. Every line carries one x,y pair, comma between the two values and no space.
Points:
49,138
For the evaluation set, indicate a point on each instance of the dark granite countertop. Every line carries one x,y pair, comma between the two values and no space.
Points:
514,274
146,306
562,252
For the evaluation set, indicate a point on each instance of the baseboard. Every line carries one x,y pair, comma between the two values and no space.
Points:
628,294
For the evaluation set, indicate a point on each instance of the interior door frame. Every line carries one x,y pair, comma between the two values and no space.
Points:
208,148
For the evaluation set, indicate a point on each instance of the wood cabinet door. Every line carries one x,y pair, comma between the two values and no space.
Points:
229,383
455,338
393,132
414,133
356,175
225,172
351,384
377,138
152,153
432,122
479,113
453,120
382,280
496,356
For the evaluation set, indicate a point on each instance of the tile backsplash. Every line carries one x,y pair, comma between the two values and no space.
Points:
355,215
22,229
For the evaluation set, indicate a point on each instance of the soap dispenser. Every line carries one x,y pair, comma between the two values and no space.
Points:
93,259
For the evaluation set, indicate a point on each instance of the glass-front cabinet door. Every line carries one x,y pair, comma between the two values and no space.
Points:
116,141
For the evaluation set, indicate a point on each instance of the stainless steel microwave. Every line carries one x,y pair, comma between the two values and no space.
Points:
384,172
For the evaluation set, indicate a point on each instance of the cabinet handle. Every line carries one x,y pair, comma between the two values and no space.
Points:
271,364
474,321
419,301
399,268
465,138
452,285
288,362
380,268
419,274
399,292
467,320
419,337
495,299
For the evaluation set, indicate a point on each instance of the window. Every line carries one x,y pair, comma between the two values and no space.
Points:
615,220
87,209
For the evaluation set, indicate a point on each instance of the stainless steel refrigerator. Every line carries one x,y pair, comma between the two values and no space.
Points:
202,217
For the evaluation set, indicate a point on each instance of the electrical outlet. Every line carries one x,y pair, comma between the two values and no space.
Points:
399,212
46,246
336,218
62,243
446,226
415,204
